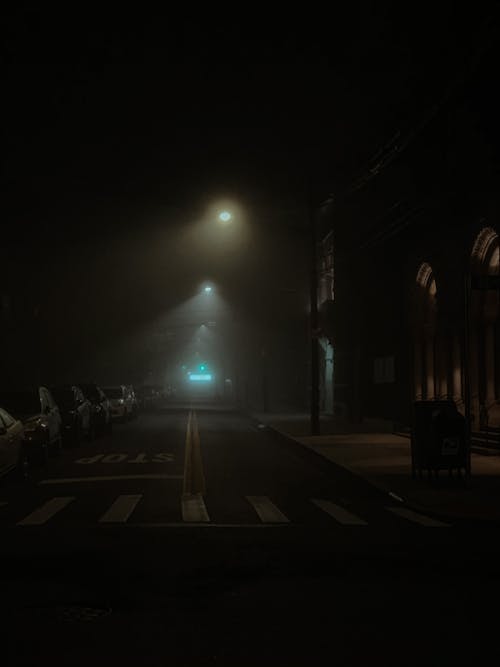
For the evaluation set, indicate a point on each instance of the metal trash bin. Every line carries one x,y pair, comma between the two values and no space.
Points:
438,439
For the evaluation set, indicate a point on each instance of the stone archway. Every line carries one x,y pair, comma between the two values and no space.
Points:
484,345
427,379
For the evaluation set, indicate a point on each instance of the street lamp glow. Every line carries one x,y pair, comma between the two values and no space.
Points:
207,289
225,216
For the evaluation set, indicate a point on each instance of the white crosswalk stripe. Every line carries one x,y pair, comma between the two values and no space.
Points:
193,509
339,513
194,512
121,509
46,511
417,518
267,510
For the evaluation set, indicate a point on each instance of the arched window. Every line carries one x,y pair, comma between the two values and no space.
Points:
486,252
484,348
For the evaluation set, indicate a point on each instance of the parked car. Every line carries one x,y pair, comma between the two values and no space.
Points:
148,397
121,402
100,408
75,412
134,401
13,456
169,392
38,411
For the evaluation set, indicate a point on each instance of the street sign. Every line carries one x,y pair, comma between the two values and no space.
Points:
200,377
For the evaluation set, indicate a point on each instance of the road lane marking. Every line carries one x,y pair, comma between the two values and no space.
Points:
194,477
88,460
140,458
193,509
105,478
267,511
417,518
339,513
121,509
119,457
115,458
208,525
161,457
199,485
46,511
187,456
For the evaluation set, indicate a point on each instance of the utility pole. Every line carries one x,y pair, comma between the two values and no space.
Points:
467,392
314,320
265,394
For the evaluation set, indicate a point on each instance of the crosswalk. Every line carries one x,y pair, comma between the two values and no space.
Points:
339,513
406,513
46,511
121,509
267,510
194,512
194,509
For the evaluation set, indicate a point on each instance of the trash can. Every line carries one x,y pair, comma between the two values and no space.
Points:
438,439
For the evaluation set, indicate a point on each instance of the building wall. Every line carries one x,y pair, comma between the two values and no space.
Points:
395,319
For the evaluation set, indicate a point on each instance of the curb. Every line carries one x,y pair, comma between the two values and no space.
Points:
329,464
325,462
318,458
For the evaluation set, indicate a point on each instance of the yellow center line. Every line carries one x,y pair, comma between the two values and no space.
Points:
186,490
194,477
199,474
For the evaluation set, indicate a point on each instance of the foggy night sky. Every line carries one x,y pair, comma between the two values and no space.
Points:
120,130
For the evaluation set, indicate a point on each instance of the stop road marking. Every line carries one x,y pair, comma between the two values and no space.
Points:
117,457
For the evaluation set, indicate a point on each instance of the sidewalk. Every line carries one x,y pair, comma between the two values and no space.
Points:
372,451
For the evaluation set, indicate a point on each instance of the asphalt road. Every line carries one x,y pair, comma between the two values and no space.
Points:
194,537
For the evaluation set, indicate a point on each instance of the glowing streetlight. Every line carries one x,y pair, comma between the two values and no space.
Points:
207,289
225,216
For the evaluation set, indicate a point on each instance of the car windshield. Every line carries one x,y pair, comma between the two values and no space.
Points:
113,392
21,402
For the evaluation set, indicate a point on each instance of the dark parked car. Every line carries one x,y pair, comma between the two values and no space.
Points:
75,412
13,455
38,411
120,401
134,401
100,408
148,397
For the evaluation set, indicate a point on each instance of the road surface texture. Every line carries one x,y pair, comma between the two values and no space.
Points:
192,537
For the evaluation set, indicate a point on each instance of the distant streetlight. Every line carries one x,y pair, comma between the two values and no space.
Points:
225,216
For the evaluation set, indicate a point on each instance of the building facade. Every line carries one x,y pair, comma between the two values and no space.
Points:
400,246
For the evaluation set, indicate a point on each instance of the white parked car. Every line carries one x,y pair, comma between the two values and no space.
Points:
36,409
13,456
120,401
